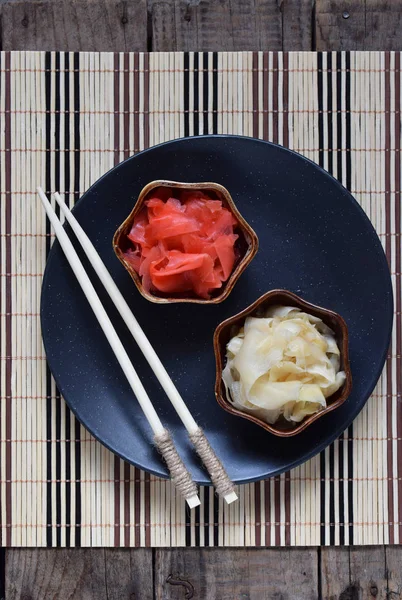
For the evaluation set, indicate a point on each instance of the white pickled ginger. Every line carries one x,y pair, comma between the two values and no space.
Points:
283,364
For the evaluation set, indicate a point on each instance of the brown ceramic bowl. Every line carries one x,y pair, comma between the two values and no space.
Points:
227,329
247,242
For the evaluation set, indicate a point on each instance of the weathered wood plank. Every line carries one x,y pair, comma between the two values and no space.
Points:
214,574
78,574
358,25
383,25
210,25
2,571
368,573
91,25
129,574
255,26
393,560
335,572
200,25
297,22
48,574
340,25
228,574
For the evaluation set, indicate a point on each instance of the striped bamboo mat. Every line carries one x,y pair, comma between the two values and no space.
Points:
65,119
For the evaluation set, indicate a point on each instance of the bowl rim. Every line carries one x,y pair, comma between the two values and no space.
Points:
247,231
321,311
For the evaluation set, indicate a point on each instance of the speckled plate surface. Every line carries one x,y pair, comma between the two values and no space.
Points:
314,240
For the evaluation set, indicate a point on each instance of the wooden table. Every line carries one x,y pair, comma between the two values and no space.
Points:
206,574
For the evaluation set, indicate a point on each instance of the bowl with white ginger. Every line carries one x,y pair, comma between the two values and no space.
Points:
282,363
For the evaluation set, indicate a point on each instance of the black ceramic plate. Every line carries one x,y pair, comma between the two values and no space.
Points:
314,240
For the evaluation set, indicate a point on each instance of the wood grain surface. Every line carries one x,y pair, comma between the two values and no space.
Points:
257,574
165,25
204,574
358,24
85,573
215,25
74,25
334,572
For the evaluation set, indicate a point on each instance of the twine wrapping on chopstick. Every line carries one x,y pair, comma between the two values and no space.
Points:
223,485
178,471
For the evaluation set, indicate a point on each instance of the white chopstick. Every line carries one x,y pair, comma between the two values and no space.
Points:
215,468
162,438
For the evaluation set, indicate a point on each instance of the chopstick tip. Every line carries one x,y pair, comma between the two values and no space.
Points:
42,197
231,497
193,501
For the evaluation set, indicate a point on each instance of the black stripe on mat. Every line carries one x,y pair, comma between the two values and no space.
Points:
348,182
332,114
320,92
67,126
343,171
77,432
205,94
57,155
186,93
186,104
215,92
203,118
340,444
196,115
49,516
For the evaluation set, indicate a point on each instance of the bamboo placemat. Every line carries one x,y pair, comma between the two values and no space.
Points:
65,119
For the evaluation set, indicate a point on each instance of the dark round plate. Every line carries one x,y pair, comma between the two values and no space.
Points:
315,241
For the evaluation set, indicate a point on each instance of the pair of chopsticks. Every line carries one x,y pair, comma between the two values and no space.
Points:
163,441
